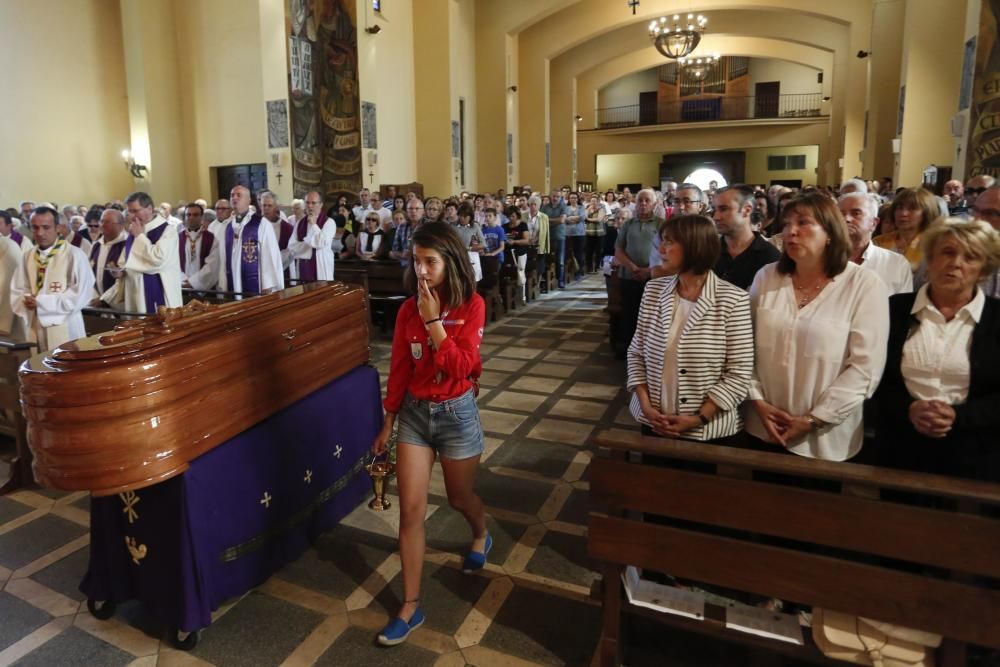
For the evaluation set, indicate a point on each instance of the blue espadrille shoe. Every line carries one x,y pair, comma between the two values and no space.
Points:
398,630
476,560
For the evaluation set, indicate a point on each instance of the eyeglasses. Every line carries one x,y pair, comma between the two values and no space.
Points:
684,201
371,219
93,226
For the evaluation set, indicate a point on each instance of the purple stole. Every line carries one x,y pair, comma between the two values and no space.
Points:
77,240
16,237
283,238
249,256
307,267
114,252
206,247
152,285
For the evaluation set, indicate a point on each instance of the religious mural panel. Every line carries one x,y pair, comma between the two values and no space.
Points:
323,90
983,154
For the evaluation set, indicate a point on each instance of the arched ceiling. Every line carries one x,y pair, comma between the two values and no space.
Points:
588,20
731,45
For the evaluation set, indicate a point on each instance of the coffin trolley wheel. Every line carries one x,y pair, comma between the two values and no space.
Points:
184,641
101,610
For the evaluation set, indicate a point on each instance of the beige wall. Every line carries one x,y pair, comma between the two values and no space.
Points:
795,79
628,168
462,28
756,165
625,91
883,89
54,85
432,59
386,78
933,33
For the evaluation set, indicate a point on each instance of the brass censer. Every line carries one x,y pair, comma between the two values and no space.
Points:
380,471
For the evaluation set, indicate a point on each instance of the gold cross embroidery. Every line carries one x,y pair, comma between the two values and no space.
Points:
309,477
130,500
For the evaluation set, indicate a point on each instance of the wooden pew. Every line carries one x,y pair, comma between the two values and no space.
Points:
99,320
510,291
12,425
384,280
531,274
849,548
614,311
489,287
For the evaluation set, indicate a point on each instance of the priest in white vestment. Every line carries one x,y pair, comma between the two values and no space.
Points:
250,260
11,258
52,285
198,255
283,231
152,268
8,228
107,255
312,241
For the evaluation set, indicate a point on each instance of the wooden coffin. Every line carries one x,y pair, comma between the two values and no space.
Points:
132,407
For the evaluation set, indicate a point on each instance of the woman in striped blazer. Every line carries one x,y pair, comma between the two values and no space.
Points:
690,361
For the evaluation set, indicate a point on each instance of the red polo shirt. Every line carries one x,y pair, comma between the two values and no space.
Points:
435,375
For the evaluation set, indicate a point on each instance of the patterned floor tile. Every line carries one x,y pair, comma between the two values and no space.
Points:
559,430
342,559
544,458
512,400
10,509
35,539
576,508
74,647
19,619
564,558
259,630
518,495
574,409
539,384
500,422
357,646
545,629
64,576
554,370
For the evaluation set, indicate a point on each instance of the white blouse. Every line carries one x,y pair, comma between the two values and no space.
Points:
669,379
935,362
823,359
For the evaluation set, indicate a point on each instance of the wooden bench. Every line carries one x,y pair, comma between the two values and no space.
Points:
614,310
12,424
531,274
489,288
923,566
510,291
384,282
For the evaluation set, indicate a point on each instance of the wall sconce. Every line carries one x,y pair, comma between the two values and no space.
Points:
578,118
137,170
374,30
512,89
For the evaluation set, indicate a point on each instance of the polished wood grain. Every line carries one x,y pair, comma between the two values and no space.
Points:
132,407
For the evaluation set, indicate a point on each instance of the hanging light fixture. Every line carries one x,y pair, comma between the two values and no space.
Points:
698,68
677,37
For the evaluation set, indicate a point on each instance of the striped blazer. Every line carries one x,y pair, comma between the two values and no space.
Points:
714,353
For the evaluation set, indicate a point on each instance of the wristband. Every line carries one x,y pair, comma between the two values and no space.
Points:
814,423
703,419
430,322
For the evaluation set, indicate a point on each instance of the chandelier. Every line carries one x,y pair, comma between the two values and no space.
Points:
698,68
677,37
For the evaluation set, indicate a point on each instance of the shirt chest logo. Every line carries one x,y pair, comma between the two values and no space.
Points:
417,350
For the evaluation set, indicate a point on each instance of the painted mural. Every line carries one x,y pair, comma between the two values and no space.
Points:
983,155
324,100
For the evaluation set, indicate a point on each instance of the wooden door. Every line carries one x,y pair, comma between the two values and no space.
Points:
647,108
766,97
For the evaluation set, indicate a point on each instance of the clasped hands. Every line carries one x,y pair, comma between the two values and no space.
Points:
671,426
933,418
782,427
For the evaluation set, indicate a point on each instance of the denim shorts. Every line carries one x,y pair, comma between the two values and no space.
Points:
451,427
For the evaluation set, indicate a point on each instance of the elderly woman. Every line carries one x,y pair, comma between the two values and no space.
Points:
820,325
370,240
911,212
690,360
939,403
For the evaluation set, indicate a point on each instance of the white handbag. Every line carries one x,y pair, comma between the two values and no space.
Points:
864,641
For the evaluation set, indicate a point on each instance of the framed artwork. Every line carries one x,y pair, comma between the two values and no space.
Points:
369,129
277,123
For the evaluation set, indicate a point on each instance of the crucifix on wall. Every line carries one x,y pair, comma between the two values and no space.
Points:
633,4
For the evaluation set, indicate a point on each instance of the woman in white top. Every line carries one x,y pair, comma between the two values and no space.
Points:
939,403
820,329
690,360
370,239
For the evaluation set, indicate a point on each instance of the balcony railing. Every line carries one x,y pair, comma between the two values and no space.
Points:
712,109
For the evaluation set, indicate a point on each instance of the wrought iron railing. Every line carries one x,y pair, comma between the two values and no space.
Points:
712,109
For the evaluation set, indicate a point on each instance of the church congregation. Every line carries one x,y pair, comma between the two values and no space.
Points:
561,332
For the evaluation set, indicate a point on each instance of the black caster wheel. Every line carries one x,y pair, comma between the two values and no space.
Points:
101,610
189,641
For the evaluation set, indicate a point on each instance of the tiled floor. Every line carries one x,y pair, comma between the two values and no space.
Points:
549,382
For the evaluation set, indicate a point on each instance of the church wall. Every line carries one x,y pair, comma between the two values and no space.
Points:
883,89
756,170
591,144
628,168
462,57
219,58
931,71
625,91
386,78
795,79
431,62
65,118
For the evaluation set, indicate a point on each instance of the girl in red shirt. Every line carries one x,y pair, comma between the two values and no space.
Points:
430,393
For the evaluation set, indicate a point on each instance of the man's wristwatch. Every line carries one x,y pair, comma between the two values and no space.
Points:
814,423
